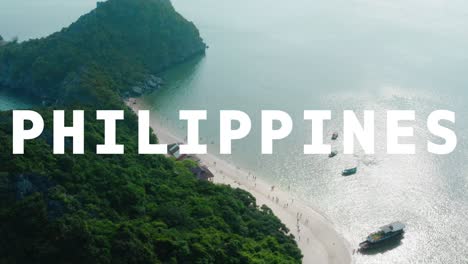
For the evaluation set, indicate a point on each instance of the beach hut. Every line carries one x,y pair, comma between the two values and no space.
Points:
202,173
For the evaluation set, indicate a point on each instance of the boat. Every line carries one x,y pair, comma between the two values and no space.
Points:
387,233
333,154
348,172
334,136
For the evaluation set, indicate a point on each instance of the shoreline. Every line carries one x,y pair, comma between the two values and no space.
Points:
316,236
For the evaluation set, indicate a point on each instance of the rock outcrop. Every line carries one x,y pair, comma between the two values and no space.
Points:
149,84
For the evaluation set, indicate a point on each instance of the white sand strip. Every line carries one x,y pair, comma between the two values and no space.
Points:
315,235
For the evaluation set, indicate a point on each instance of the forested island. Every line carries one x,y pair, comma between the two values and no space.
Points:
117,208
118,44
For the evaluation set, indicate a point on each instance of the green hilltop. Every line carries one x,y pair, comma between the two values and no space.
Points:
116,208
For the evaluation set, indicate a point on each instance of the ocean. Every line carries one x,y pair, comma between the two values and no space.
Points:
340,55
8,102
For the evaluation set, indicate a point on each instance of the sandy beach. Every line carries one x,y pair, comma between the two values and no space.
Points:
315,235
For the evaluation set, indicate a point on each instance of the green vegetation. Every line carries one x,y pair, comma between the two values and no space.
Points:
117,208
125,208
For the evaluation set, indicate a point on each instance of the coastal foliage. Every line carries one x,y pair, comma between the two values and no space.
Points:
125,208
116,208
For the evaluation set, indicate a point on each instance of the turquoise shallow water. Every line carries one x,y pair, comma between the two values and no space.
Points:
336,55
8,102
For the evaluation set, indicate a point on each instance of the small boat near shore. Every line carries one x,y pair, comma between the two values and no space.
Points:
333,154
349,172
387,233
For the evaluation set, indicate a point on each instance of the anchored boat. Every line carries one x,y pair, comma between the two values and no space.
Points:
333,154
334,136
349,172
387,233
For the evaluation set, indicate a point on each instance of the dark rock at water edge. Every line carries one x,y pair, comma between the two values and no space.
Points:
150,84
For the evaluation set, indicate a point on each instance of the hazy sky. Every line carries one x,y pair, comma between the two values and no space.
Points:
32,18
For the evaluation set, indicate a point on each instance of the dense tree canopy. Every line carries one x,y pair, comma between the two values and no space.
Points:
116,208
125,208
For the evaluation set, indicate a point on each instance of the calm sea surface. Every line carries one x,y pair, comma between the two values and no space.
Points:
335,55
8,102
